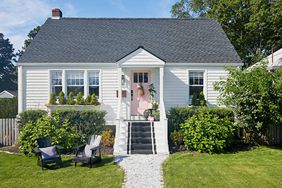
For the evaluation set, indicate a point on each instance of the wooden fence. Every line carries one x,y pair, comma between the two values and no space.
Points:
8,132
275,135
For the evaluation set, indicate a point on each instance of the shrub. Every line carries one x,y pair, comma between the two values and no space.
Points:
108,138
60,133
178,115
207,132
52,100
202,99
70,100
62,99
176,138
87,100
30,116
256,98
9,108
94,100
79,99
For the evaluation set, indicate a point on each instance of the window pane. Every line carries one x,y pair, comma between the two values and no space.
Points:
196,78
94,89
56,90
75,77
140,78
145,77
195,90
93,78
56,77
75,89
135,79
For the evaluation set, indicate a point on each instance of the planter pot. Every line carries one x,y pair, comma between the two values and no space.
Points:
146,114
72,107
157,118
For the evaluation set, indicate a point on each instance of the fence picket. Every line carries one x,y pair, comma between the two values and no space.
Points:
8,131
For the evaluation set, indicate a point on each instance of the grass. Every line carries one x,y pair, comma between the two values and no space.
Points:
260,167
22,171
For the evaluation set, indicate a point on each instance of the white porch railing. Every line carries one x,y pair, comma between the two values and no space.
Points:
163,120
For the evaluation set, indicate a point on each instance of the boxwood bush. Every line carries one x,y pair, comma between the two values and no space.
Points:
208,132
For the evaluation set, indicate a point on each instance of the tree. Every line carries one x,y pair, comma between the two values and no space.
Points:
256,98
253,26
7,68
31,35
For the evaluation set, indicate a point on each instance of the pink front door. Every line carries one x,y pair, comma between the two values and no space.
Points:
140,103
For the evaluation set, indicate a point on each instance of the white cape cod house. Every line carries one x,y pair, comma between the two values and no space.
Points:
113,57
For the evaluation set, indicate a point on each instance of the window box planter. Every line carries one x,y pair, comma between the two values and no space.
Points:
72,107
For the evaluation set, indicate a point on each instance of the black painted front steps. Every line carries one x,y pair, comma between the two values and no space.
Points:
141,138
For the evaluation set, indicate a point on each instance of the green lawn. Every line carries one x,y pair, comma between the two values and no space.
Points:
22,171
261,167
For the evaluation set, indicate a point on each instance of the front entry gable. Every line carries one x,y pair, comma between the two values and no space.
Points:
140,58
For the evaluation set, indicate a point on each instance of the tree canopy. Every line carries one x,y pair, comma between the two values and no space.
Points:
31,35
254,27
7,68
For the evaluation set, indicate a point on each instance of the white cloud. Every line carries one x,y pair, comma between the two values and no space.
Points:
18,17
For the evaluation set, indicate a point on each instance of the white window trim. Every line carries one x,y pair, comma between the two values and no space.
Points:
64,81
205,89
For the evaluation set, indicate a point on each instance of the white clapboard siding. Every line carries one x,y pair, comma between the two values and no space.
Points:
109,84
36,88
214,75
175,87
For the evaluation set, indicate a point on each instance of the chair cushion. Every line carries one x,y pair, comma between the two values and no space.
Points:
48,152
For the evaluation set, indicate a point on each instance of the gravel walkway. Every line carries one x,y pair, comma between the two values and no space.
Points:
142,170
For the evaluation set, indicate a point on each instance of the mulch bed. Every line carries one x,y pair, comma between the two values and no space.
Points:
12,149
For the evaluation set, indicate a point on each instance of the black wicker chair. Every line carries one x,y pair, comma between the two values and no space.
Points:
48,154
89,153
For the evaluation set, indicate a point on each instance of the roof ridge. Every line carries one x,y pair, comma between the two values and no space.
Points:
105,18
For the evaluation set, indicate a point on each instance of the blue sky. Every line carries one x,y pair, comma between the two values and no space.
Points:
18,17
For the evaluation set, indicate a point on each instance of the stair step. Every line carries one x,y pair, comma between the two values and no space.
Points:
141,146
141,152
140,140
142,124
140,128
140,134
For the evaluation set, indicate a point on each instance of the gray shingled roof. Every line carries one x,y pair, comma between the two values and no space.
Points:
109,39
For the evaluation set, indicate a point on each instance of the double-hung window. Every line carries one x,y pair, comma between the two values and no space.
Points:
56,82
93,82
196,83
75,81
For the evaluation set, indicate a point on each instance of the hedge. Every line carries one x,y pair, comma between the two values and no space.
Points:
30,116
9,108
